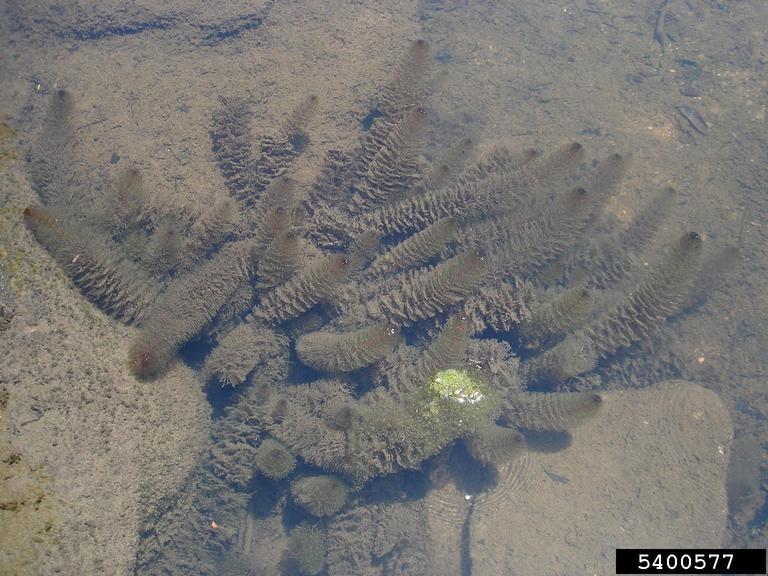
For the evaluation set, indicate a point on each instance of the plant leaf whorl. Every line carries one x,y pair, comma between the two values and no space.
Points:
111,282
347,351
425,294
186,307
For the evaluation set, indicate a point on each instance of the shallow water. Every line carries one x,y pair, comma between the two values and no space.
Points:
131,475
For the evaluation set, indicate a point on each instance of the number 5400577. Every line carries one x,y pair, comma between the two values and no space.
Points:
683,561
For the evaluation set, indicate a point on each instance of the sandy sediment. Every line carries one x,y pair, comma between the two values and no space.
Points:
649,471
112,449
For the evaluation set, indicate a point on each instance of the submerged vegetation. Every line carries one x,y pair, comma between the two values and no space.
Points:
424,305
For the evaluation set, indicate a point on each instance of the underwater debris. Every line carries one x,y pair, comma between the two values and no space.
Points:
693,119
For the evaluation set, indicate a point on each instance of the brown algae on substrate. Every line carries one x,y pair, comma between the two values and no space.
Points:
29,513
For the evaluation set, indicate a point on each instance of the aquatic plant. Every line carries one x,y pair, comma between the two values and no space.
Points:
409,287
345,352
306,549
494,445
273,460
320,495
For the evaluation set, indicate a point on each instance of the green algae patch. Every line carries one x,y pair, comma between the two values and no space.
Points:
459,386
455,404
